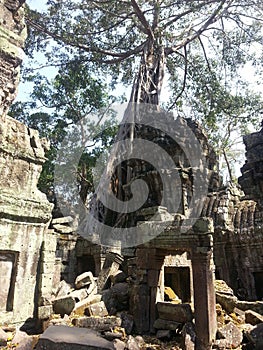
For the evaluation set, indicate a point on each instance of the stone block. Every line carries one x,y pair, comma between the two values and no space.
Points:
228,302
180,313
232,334
84,280
119,344
44,312
23,341
64,288
127,321
64,305
203,225
3,338
253,317
82,305
255,336
79,294
165,324
132,343
62,220
164,334
72,338
97,309
97,323
189,336
63,229
118,277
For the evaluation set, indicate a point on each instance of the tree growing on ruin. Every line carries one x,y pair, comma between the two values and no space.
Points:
201,46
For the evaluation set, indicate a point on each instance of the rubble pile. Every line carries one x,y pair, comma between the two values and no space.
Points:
82,317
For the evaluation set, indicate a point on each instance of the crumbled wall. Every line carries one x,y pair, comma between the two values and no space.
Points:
27,248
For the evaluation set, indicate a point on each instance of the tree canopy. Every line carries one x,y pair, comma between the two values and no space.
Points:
201,45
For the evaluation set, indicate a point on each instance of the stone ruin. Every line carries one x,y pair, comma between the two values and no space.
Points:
55,278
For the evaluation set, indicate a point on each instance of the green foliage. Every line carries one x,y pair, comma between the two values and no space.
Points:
69,98
206,45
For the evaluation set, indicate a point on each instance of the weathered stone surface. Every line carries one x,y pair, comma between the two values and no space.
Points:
3,338
189,336
63,289
63,228
165,324
110,267
118,277
98,323
119,345
79,294
62,220
84,280
96,309
64,305
228,302
164,334
24,341
81,306
132,343
127,321
253,317
255,336
180,313
72,338
232,334
256,306
45,311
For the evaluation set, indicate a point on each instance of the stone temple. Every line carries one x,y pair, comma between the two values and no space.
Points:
37,253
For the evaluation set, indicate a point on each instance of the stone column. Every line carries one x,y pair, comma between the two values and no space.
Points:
204,297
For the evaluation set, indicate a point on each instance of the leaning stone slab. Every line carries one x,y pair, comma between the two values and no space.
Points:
45,311
72,338
97,323
253,317
23,341
180,313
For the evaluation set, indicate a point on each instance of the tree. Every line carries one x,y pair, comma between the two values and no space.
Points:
202,45
68,98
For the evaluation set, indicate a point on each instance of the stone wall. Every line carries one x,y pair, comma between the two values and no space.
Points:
27,248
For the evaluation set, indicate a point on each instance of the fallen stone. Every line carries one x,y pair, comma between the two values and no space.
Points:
165,324
56,322
228,302
44,312
82,305
119,345
3,338
97,323
255,336
23,341
84,280
232,334
180,313
132,343
118,277
63,228
79,294
140,341
112,335
222,287
164,334
121,294
97,309
127,321
64,305
63,289
253,317
62,220
110,267
189,336
72,338
256,306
